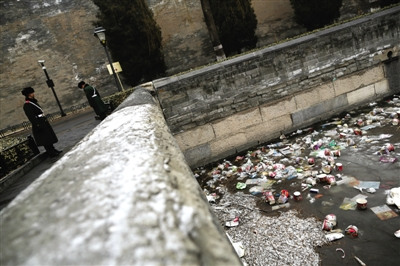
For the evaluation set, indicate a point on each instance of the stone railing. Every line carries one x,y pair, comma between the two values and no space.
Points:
123,196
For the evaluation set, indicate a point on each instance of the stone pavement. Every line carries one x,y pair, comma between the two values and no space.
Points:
70,130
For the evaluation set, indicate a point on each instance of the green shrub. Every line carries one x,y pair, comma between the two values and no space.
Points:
236,24
314,14
133,37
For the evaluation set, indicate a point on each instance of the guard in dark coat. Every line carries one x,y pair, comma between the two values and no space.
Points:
94,99
42,131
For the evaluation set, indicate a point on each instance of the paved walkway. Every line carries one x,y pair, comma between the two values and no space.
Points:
70,130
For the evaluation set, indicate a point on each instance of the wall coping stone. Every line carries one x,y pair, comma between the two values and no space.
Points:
124,195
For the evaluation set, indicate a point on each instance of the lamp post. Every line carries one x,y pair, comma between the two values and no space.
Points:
50,84
99,32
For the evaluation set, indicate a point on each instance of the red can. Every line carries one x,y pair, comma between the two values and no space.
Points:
336,153
283,198
327,225
269,197
389,147
352,230
357,131
331,179
327,152
331,218
285,193
311,161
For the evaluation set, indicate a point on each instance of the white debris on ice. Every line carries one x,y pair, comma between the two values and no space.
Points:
393,197
278,240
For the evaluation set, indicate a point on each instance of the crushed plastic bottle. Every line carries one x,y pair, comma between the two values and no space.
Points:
334,236
277,207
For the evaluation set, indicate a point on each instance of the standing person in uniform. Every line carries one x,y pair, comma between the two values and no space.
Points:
41,129
94,100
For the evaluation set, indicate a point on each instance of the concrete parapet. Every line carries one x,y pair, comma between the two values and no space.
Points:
124,195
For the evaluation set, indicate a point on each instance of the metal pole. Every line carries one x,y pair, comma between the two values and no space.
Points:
120,83
112,67
50,84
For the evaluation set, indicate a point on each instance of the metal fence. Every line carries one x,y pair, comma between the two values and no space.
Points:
17,155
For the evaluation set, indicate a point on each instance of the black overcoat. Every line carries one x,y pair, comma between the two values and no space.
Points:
95,100
42,131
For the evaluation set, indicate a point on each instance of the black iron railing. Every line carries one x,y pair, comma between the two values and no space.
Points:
17,155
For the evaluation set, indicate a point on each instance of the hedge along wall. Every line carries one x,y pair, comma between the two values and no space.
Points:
228,107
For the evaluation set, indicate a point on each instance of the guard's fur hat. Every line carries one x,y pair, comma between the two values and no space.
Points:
28,90
80,84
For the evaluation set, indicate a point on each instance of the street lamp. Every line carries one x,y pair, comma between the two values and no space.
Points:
50,84
99,32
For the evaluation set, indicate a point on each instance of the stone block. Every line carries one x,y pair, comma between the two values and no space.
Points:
313,113
361,95
199,155
237,122
306,99
382,87
228,144
326,91
194,137
269,112
268,129
347,84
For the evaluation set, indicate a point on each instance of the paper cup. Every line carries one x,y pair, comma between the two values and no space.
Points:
297,196
361,204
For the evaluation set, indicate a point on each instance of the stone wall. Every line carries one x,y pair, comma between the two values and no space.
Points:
59,32
124,195
186,41
225,108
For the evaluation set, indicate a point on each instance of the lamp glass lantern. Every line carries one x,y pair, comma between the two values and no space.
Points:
100,33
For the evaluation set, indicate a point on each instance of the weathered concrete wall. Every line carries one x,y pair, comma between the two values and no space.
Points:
275,21
233,105
59,32
186,41
124,195
276,18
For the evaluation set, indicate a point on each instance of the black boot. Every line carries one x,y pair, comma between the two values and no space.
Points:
51,151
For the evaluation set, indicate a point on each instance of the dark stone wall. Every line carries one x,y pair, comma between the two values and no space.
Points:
218,91
59,32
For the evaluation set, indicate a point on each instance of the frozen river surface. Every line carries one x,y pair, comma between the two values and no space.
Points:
332,164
